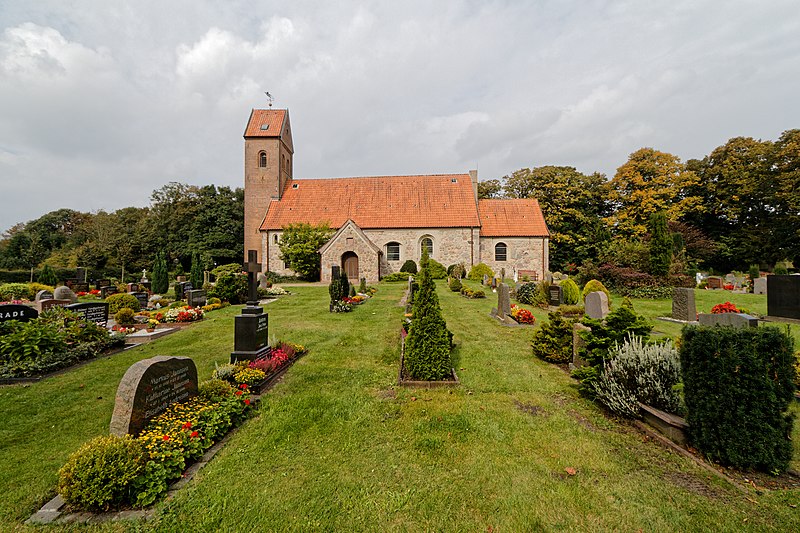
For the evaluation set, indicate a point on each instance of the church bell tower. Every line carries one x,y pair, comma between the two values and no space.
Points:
268,152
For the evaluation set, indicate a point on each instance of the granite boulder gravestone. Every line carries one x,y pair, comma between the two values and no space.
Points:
96,312
148,388
555,295
683,306
596,305
65,293
760,286
783,296
21,313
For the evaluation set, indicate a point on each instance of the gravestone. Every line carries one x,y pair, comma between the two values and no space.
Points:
730,278
485,280
80,286
196,298
22,313
181,288
148,388
133,287
737,320
144,276
44,305
146,286
96,312
105,292
251,327
70,282
64,293
100,283
683,307
760,286
555,295
80,274
263,283
714,282
596,305
410,297
503,301
578,343
43,295
142,297
783,296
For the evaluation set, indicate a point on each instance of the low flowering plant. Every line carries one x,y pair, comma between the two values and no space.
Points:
124,330
523,316
726,307
182,314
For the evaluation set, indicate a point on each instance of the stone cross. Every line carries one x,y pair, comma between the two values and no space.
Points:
144,275
253,268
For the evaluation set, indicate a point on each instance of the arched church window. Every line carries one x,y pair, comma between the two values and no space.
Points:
426,244
393,251
500,251
262,159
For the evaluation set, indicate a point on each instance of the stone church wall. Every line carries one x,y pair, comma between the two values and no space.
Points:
523,253
450,245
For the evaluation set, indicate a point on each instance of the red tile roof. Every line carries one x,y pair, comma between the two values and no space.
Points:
432,201
512,218
273,118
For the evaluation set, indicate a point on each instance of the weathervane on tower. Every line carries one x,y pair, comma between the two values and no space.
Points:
270,97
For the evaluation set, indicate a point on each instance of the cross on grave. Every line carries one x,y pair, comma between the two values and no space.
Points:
253,268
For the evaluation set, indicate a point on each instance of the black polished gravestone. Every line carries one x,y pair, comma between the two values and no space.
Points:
783,296
196,298
142,297
21,313
80,286
100,283
96,312
555,295
181,288
105,292
251,339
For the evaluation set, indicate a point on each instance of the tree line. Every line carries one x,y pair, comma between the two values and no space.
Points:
181,221
737,206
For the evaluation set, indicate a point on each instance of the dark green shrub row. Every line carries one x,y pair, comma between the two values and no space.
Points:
61,274
396,276
469,293
738,384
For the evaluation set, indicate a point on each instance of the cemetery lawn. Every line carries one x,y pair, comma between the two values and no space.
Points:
338,446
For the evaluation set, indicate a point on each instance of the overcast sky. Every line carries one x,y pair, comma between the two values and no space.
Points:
102,103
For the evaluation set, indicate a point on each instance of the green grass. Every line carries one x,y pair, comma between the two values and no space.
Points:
337,446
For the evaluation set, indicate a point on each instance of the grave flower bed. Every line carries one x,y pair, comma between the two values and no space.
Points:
56,339
134,471
522,316
183,314
726,307
259,374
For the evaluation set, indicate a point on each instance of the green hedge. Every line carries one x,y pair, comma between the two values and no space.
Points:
738,387
24,276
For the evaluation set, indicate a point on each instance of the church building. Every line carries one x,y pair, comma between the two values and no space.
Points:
382,221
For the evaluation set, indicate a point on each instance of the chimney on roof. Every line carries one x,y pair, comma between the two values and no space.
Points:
473,177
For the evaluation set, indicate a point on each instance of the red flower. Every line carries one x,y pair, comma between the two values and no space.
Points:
193,435
187,425
247,402
238,393
243,386
166,437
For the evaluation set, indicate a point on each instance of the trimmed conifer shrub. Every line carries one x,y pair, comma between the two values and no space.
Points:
427,348
47,276
409,266
436,269
660,245
526,294
737,387
570,291
455,284
160,274
553,340
196,272
335,289
594,286
345,284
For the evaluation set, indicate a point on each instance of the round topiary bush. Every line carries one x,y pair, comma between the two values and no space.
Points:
118,301
570,291
476,272
594,286
526,294
409,266
98,476
455,284
124,317
436,269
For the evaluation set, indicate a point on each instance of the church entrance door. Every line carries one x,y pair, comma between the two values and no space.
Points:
350,265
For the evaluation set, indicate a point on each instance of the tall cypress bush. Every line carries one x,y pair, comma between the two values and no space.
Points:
196,273
160,275
47,276
427,349
660,245
738,384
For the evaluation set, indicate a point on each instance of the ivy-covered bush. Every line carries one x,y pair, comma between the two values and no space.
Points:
738,384
437,269
594,286
119,300
477,272
409,267
98,476
526,294
455,284
570,291
639,372
553,340
427,346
